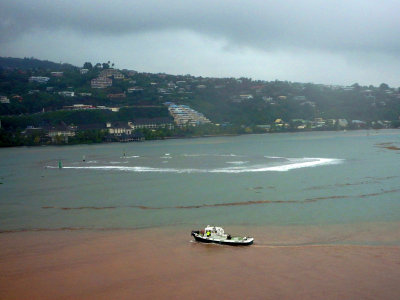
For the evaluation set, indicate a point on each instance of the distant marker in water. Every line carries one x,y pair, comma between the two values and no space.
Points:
84,158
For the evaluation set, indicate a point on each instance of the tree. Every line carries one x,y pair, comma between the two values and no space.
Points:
356,86
87,65
383,86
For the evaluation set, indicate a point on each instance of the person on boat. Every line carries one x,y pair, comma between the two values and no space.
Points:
208,233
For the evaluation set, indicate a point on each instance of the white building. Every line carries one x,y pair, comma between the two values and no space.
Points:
118,128
184,115
4,100
101,82
246,97
153,123
112,73
67,94
343,122
39,79
85,94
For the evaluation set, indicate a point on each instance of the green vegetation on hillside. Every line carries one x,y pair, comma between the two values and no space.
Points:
237,105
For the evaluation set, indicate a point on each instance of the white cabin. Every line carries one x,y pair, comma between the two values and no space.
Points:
214,231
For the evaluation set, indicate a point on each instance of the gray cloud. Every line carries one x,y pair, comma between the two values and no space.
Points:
366,26
360,34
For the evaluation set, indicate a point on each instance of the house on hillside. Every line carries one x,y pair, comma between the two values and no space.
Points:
101,82
112,73
57,74
67,94
79,107
85,94
4,100
135,89
246,96
39,79
300,98
116,96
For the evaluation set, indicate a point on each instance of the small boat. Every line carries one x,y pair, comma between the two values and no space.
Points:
213,234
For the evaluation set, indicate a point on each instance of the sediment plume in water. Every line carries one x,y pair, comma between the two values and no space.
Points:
388,146
81,207
43,229
243,203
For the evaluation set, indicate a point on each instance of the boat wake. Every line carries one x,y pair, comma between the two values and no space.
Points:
291,164
237,162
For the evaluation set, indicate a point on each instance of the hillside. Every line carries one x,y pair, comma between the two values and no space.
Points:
34,93
31,64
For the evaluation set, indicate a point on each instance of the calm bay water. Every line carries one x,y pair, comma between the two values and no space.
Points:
301,179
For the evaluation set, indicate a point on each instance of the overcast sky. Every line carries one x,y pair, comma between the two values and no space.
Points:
320,41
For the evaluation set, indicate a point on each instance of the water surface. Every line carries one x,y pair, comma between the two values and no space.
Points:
290,180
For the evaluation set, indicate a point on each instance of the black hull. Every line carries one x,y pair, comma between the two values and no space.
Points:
232,243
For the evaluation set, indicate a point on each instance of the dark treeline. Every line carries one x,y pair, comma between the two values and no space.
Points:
29,63
80,117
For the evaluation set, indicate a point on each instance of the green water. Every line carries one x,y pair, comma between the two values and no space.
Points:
316,178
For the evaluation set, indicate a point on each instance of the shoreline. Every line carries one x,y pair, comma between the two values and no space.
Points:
204,136
166,263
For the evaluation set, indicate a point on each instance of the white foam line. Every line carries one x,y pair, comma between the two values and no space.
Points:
215,155
306,164
237,162
281,168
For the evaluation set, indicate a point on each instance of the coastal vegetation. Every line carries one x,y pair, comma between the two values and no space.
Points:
40,94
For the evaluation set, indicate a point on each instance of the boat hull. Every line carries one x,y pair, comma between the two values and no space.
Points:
202,239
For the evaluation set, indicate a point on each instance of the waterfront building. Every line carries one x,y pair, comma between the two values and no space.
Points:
153,123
